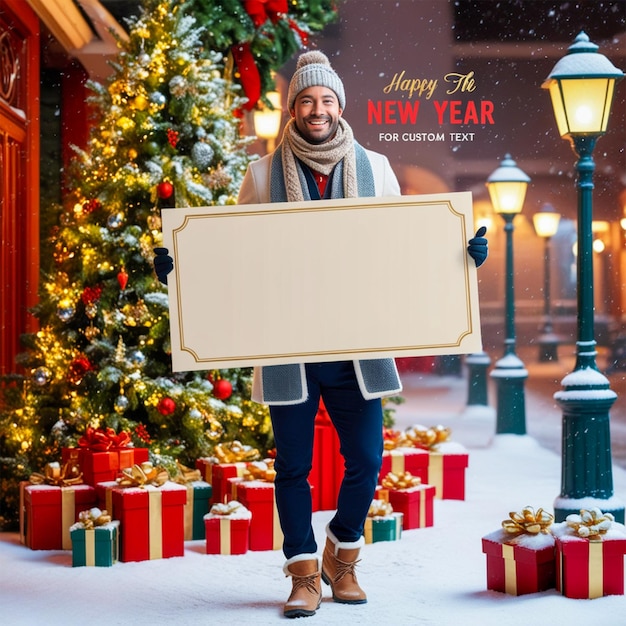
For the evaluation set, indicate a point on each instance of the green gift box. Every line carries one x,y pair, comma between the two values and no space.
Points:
97,546
198,504
383,528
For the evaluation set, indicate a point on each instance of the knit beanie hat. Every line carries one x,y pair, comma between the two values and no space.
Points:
313,70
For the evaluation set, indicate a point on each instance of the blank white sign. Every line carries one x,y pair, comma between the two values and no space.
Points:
321,281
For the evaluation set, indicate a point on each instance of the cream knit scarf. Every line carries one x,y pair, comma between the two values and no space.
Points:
322,158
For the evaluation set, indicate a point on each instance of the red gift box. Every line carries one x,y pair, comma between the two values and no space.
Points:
206,469
446,471
228,534
527,566
327,469
102,466
416,503
588,569
49,511
152,520
402,460
259,497
220,475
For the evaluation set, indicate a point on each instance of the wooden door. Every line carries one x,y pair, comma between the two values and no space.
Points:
19,175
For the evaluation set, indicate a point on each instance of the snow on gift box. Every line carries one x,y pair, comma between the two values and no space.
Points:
95,539
590,555
227,528
520,555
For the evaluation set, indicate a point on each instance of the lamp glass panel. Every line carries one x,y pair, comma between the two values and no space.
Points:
267,123
546,224
507,197
582,105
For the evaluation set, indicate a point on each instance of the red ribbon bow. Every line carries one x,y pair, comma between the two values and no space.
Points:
103,439
262,10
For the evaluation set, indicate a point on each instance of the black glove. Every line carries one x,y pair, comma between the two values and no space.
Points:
163,264
477,246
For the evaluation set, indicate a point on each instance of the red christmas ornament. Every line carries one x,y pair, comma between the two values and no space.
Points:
91,294
141,432
91,205
122,279
222,389
165,190
78,368
172,137
166,406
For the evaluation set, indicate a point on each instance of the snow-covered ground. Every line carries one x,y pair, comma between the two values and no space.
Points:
431,575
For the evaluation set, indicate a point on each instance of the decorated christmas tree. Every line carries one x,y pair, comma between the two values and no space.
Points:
167,134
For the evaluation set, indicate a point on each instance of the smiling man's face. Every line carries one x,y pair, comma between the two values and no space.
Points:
316,113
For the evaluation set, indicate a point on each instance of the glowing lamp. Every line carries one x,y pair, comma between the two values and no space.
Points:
581,87
507,187
546,222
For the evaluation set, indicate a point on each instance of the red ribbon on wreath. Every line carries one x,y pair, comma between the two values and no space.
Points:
249,72
304,36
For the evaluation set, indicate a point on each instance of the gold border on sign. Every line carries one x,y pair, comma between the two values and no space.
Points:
237,211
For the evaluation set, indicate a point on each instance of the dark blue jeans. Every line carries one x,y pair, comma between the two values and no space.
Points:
359,424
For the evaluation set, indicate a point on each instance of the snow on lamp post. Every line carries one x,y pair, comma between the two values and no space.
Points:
546,223
581,87
507,187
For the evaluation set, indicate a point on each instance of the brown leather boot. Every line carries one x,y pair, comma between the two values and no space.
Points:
306,593
338,563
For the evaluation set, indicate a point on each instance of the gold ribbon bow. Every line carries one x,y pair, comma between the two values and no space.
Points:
186,474
58,476
94,517
528,521
227,508
405,480
142,475
235,452
393,438
590,524
420,436
379,508
260,470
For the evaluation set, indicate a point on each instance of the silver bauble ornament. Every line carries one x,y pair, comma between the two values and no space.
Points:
121,404
41,376
115,221
65,311
137,358
202,155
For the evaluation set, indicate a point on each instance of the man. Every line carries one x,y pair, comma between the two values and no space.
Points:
319,158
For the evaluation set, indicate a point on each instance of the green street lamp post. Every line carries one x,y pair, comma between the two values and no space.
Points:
546,223
581,87
507,187
477,393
